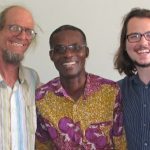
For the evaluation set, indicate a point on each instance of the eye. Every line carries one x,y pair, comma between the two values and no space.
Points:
30,32
77,47
59,49
133,36
147,34
15,28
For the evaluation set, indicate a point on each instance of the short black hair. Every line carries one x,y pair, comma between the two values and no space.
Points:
64,28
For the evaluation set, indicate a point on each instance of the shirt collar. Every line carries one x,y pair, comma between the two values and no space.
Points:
60,91
1,79
136,80
21,76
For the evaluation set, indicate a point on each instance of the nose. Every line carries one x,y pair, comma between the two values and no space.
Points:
68,52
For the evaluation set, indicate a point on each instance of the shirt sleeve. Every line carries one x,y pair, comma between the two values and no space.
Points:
42,141
118,132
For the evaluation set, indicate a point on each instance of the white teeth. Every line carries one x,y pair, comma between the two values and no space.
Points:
144,51
69,63
17,44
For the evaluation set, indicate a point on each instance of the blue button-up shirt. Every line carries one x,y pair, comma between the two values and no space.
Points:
136,103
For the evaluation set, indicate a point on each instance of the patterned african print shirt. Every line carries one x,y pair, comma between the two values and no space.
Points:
93,122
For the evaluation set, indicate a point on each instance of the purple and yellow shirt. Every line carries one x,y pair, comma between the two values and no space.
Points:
93,122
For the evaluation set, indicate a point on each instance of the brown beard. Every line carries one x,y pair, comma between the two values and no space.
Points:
141,65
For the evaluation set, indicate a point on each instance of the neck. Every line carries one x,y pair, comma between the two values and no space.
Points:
144,74
9,73
74,86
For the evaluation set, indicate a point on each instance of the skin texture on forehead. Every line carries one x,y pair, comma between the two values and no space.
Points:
19,14
64,36
139,23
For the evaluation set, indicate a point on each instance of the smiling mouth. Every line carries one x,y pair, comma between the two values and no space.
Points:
17,44
143,51
69,64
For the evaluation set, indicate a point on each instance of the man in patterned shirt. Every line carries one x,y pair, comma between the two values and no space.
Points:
77,110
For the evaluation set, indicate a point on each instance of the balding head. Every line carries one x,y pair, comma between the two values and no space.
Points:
15,12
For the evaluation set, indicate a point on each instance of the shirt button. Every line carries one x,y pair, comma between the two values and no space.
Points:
146,87
144,105
144,125
145,144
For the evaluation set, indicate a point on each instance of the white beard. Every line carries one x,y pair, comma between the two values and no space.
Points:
11,57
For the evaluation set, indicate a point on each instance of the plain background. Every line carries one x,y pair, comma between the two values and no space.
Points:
99,19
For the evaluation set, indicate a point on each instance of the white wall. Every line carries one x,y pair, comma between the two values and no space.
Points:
99,19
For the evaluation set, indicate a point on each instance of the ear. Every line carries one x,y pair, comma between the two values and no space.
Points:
51,54
87,51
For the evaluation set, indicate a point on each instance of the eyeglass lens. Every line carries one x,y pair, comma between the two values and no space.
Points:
136,37
62,49
18,29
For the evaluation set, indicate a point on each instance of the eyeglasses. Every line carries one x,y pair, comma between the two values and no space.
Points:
17,29
61,49
136,37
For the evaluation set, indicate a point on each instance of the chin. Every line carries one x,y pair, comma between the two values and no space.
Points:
69,75
143,65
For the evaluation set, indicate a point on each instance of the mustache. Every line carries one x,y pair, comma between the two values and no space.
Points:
141,47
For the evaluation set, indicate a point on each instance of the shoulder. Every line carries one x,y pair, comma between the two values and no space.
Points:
99,81
30,75
126,80
28,70
45,88
49,84
126,84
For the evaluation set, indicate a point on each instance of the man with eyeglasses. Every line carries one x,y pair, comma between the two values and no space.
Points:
133,59
17,82
77,110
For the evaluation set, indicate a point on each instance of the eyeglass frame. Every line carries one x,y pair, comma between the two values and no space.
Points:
139,35
17,32
70,47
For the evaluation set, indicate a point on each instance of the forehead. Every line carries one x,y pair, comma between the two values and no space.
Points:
68,36
20,16
136,24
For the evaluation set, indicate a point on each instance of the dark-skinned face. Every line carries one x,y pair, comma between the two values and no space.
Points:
69,61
